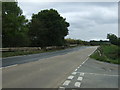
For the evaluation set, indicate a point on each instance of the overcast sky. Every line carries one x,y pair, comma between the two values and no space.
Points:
88,20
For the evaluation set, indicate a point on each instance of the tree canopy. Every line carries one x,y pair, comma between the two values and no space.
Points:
113,39
14,30
48,28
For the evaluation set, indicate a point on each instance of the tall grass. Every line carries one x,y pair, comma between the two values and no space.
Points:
107,53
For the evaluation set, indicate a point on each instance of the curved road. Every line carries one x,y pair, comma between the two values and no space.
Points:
47,72
34,57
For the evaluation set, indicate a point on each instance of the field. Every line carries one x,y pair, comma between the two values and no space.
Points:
107,53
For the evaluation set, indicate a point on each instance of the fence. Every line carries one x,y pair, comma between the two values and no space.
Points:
11,49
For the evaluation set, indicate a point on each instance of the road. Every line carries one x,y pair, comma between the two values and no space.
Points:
93,74
46,72
53,71
34,57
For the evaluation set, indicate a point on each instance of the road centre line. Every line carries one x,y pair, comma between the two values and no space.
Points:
85,61
87,58
93,52
80,78
75,69
79,66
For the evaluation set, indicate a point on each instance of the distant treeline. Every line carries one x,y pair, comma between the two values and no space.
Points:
113,39
70,41
101,42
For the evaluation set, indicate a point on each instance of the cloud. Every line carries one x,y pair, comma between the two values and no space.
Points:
89,19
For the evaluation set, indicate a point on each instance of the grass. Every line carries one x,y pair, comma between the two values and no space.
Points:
107,53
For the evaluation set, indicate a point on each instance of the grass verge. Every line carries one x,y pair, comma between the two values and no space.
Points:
18,53
107,53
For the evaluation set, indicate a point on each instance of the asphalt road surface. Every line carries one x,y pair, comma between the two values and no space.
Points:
71,69
46,72
93,74
34,57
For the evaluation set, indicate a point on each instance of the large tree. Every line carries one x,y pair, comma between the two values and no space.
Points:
112,38
48,28
14,30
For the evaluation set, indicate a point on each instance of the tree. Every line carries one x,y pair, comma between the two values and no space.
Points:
113,39
118,41
14,29
48,28
73,41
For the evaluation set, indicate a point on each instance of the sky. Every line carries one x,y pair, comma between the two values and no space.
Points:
88,20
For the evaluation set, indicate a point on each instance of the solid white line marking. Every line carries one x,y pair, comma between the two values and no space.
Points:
80,78
85,61
92,52
70,77
75,69
74,73
61,88
10,66
81,74
77,84
66,82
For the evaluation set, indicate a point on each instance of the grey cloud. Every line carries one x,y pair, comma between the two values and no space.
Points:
87,20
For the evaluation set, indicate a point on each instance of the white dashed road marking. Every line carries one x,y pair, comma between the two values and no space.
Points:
85,60
77,84
74,73
70,77
75,69
80,78
81,74
66,82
